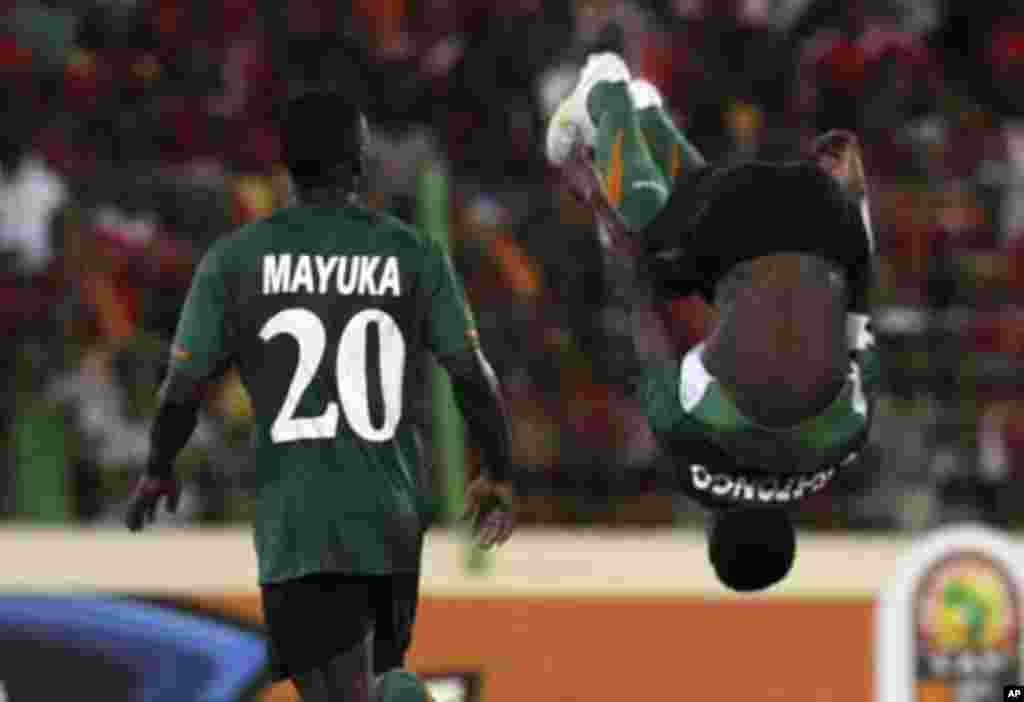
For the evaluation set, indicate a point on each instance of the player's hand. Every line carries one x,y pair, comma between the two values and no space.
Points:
838,152
148,491
490,506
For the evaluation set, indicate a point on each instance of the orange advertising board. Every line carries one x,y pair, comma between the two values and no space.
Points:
594,649
562,615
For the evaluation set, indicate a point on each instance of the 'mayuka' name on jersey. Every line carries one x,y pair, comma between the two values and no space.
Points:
343,275
743,488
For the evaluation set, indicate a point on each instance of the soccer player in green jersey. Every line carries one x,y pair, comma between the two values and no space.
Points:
323,307
776,401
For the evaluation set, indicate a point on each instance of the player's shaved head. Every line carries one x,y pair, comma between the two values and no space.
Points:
324,137
751,548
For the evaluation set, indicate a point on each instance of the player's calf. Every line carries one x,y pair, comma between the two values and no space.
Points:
673,154
633,183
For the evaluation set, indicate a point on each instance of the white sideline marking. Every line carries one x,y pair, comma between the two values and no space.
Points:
535,563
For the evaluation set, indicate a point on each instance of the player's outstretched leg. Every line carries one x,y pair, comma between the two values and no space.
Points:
633,183
671,151
600,114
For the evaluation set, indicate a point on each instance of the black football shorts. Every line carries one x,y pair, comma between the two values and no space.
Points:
312,619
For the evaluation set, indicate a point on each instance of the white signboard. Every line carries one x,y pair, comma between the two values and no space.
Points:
948,627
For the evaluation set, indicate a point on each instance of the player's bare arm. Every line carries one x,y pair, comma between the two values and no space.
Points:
490,498
838,153
177,414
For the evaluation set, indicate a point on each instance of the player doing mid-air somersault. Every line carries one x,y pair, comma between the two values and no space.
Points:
776,401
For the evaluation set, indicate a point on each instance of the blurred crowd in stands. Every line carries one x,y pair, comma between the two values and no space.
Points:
135,132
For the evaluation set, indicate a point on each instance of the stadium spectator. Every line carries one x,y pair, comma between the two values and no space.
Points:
161,111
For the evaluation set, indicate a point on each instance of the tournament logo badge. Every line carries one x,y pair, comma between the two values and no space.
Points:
967,615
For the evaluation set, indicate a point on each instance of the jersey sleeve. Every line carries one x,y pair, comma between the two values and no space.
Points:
450,326
202,341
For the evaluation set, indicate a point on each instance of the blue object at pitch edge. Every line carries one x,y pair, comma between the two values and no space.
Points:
165,654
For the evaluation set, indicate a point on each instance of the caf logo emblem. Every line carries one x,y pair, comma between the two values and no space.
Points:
967,618
966,603
949,623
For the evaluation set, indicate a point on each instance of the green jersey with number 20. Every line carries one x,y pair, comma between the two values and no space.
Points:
323,309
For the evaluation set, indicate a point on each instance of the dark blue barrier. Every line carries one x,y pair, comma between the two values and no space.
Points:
121,650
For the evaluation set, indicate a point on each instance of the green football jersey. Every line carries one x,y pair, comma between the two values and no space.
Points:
325,309
726,459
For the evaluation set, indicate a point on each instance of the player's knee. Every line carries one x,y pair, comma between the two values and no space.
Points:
751,549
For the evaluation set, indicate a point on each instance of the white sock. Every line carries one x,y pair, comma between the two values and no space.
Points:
644,94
